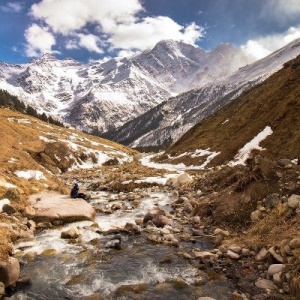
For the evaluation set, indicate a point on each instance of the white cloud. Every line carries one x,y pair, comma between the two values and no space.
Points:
39,41
281,10
90,42
70,15
13,7
147,33
116,21
264,46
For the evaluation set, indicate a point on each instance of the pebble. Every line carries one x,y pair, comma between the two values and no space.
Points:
232,254
275,268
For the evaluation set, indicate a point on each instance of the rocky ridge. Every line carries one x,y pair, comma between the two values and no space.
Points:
104,95
165,124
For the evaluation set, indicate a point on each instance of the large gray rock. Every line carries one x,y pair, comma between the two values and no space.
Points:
9,271
50,206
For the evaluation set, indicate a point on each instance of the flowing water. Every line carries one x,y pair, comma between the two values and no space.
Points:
141,270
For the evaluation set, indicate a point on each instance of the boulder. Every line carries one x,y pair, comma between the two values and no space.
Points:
53,206
9,271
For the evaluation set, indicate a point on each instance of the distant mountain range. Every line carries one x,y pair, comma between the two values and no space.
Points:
102,96
165,123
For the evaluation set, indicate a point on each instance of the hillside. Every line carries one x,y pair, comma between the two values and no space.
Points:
34,153
270,109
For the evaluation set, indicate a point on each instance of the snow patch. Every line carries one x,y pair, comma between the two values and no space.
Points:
43,138
243,154
38,175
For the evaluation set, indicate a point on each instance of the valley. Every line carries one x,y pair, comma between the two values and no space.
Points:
189,231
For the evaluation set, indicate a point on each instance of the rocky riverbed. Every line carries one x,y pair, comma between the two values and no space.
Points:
199,235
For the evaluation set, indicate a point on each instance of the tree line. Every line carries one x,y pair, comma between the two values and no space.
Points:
12,102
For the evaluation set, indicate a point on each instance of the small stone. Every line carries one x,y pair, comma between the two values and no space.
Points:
283,162
223,249
255,215
206,298
72,233
57,222
295,243
205,255
235,248
263,254
139,221
221,232
276,255
232,255
294,201
7,208
275,268
246,252
265,284
196,219
277,278
2,289
272,200
130,227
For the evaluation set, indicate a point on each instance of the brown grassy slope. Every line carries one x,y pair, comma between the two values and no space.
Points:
275,103
21,141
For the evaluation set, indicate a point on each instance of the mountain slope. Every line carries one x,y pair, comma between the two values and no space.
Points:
34,153
101,96
265,118
166,123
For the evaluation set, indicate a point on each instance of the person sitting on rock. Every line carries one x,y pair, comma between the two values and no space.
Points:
74,191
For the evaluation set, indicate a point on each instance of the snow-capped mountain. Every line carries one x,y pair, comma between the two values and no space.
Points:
165,123
105,95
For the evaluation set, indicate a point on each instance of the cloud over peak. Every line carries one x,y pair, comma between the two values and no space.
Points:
95,24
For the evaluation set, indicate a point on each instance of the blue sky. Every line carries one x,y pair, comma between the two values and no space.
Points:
96,29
